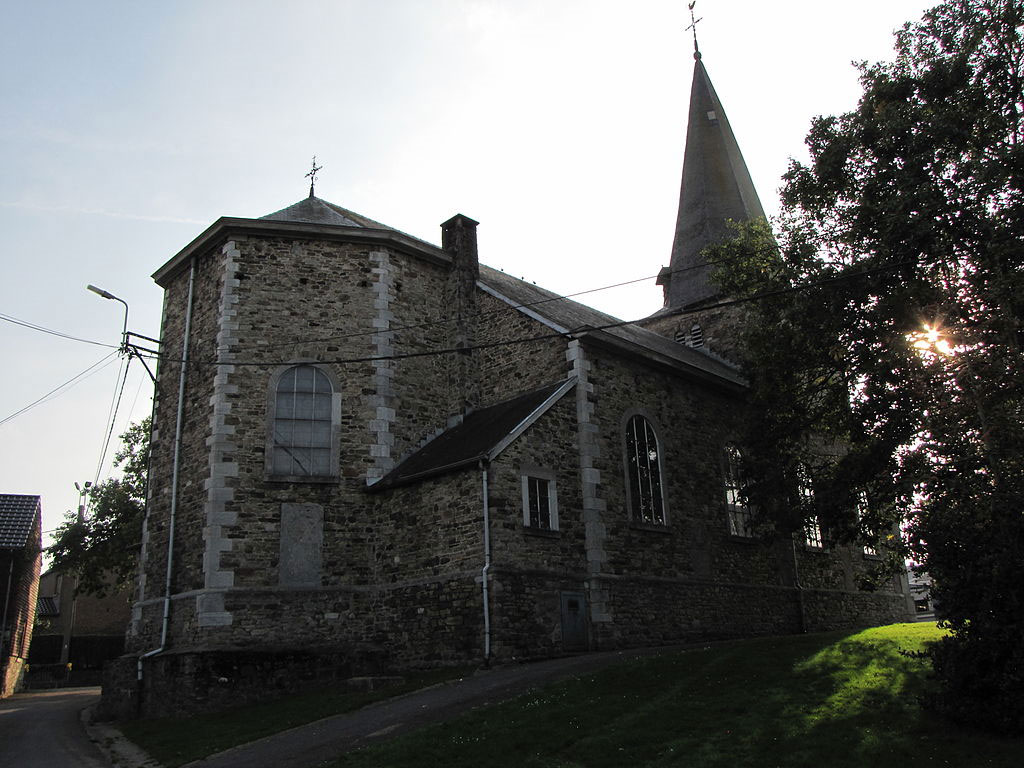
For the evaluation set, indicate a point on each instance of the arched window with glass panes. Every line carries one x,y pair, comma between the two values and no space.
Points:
813,537
643,472
304,412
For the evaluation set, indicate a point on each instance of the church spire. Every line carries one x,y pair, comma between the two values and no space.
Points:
716,187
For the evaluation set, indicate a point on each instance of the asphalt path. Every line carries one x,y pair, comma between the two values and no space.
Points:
310,745
43,729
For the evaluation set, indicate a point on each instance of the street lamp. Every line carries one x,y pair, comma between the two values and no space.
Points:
82,491
108,295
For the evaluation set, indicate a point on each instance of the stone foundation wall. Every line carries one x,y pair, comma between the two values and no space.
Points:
526,617
293,640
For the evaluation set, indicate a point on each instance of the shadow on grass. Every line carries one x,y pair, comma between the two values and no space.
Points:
838,699
179,740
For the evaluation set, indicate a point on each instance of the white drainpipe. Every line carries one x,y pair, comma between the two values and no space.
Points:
487,567
174,472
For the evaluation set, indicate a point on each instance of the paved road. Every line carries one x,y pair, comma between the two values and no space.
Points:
312,744
42,729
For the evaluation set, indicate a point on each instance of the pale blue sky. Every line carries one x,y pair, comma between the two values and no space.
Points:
126,128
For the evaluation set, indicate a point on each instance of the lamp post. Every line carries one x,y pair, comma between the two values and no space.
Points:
108,295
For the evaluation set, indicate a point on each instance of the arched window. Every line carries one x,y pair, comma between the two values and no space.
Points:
740,517
813,538
304,410
643,469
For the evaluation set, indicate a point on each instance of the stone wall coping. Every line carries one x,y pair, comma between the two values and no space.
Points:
226,227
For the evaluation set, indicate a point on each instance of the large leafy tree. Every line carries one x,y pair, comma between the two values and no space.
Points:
102,549
885,344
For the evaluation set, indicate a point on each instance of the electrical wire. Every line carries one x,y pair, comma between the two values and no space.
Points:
64,387
478,315
61,334
112,416
555,334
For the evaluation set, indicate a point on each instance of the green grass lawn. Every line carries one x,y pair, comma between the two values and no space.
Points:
174,741
839,699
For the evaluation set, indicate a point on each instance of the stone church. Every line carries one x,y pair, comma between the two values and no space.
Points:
371,452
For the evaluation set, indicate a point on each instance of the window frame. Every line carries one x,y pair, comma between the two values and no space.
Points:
869,552
335,426
739,516
813,534
528,473
631,504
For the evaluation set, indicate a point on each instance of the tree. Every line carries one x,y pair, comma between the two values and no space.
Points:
885,344
102,550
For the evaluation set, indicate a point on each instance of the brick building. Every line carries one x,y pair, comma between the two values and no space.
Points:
372,451
20,561
82,629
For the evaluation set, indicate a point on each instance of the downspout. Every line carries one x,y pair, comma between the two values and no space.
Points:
175,469
487,566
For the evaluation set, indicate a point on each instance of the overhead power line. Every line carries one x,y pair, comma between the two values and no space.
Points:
56,391
61,334
554,334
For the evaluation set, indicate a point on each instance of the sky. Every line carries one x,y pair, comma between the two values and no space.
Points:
127,128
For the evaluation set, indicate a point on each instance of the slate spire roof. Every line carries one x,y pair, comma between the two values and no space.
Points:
313,210
716,187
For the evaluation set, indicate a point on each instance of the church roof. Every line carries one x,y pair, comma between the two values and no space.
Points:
310,217
18,515
716,187
313,210
482,435
567,316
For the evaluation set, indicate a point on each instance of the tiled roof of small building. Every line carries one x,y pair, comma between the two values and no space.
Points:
47,606
17,516
480,432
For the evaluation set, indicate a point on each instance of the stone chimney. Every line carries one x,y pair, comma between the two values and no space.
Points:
458,239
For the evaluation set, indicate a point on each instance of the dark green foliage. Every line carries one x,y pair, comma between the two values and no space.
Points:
909,214
102,549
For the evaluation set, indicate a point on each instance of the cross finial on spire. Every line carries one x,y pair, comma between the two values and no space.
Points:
312,175
693,25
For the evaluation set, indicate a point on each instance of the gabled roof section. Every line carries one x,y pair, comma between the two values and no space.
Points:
716,187
482,435
311,218
18,515
566,316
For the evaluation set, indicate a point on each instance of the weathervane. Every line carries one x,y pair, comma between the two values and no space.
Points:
693,26
312,175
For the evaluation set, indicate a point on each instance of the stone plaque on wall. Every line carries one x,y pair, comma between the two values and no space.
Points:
302,536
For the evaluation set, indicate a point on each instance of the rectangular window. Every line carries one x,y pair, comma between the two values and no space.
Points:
740,517
862,512
812,534
812,527
540,505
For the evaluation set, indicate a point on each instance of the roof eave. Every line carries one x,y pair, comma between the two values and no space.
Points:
227,226
627,348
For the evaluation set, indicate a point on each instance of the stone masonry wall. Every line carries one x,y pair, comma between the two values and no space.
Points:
691,577
531,567
506,371
262,304
187,574
721,329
